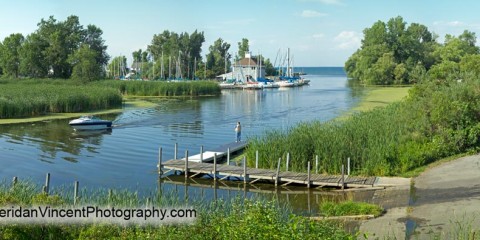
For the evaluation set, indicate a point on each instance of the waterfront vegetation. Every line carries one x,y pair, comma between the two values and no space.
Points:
438,119
37,97
221,219
349,208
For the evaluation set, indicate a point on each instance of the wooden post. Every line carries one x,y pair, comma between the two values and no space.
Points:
316,164
278,172
14,181
245,176
47,183
228,156
175,151
160,161
256,159
186,164
201,153
214,166
308,176
75,193
348,166
343,176
288,160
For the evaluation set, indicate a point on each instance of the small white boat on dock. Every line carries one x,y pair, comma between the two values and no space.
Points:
90,123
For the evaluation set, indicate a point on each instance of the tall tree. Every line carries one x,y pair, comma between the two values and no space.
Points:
218,57
85,66
10,54
32,54
243,48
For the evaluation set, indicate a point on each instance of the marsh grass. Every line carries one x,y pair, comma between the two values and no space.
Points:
236,218
435,121
38,97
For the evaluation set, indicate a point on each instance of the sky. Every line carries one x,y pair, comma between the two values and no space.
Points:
317,32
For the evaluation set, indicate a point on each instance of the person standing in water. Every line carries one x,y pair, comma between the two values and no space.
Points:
238,130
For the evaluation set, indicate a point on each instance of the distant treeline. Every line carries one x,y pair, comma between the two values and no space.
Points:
67,49
397,53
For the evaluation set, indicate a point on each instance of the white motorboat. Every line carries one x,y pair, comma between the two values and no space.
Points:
90,123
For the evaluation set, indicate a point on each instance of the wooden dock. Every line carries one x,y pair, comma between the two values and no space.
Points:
252,175
221,151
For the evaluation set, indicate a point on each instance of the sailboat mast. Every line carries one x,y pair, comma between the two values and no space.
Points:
288,62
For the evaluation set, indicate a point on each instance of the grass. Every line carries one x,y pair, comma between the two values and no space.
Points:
349,208
231,219
380,97
37,98
435,121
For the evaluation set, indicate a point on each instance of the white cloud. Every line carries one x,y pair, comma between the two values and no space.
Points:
450,24
311,14
348,40
318,35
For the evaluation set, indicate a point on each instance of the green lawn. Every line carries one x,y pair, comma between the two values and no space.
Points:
380,97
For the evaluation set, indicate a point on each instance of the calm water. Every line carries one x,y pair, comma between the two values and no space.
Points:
126,156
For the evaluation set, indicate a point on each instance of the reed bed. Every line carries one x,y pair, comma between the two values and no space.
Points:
36,97
26,99
162,88
436,121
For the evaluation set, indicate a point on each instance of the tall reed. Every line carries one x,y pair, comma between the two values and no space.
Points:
436,121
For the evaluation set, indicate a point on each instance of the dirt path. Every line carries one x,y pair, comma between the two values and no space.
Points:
443,204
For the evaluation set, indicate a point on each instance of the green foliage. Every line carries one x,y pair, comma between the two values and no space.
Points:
243,47
176,54
85,67
437,120
160,88
50,49
10,54
232,219
348,208
218,59
390,51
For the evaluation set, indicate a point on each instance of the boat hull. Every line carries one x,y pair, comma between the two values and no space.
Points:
92,126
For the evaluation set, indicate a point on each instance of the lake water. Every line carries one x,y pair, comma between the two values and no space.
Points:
126,156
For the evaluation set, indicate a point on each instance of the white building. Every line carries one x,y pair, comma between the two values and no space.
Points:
246,69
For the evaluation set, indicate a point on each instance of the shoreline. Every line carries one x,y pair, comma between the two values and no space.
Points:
130,102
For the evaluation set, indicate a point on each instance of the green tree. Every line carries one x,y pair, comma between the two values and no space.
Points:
10,54
243,48
218,57
32,63
85,66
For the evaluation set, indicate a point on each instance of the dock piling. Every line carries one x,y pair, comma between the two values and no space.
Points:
75,192
228,156
308,175
278,172
186,164
245,176
288,160
316,164
348,166
175,151
343,176
160,161
201,153
256,159
47,183
214,166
